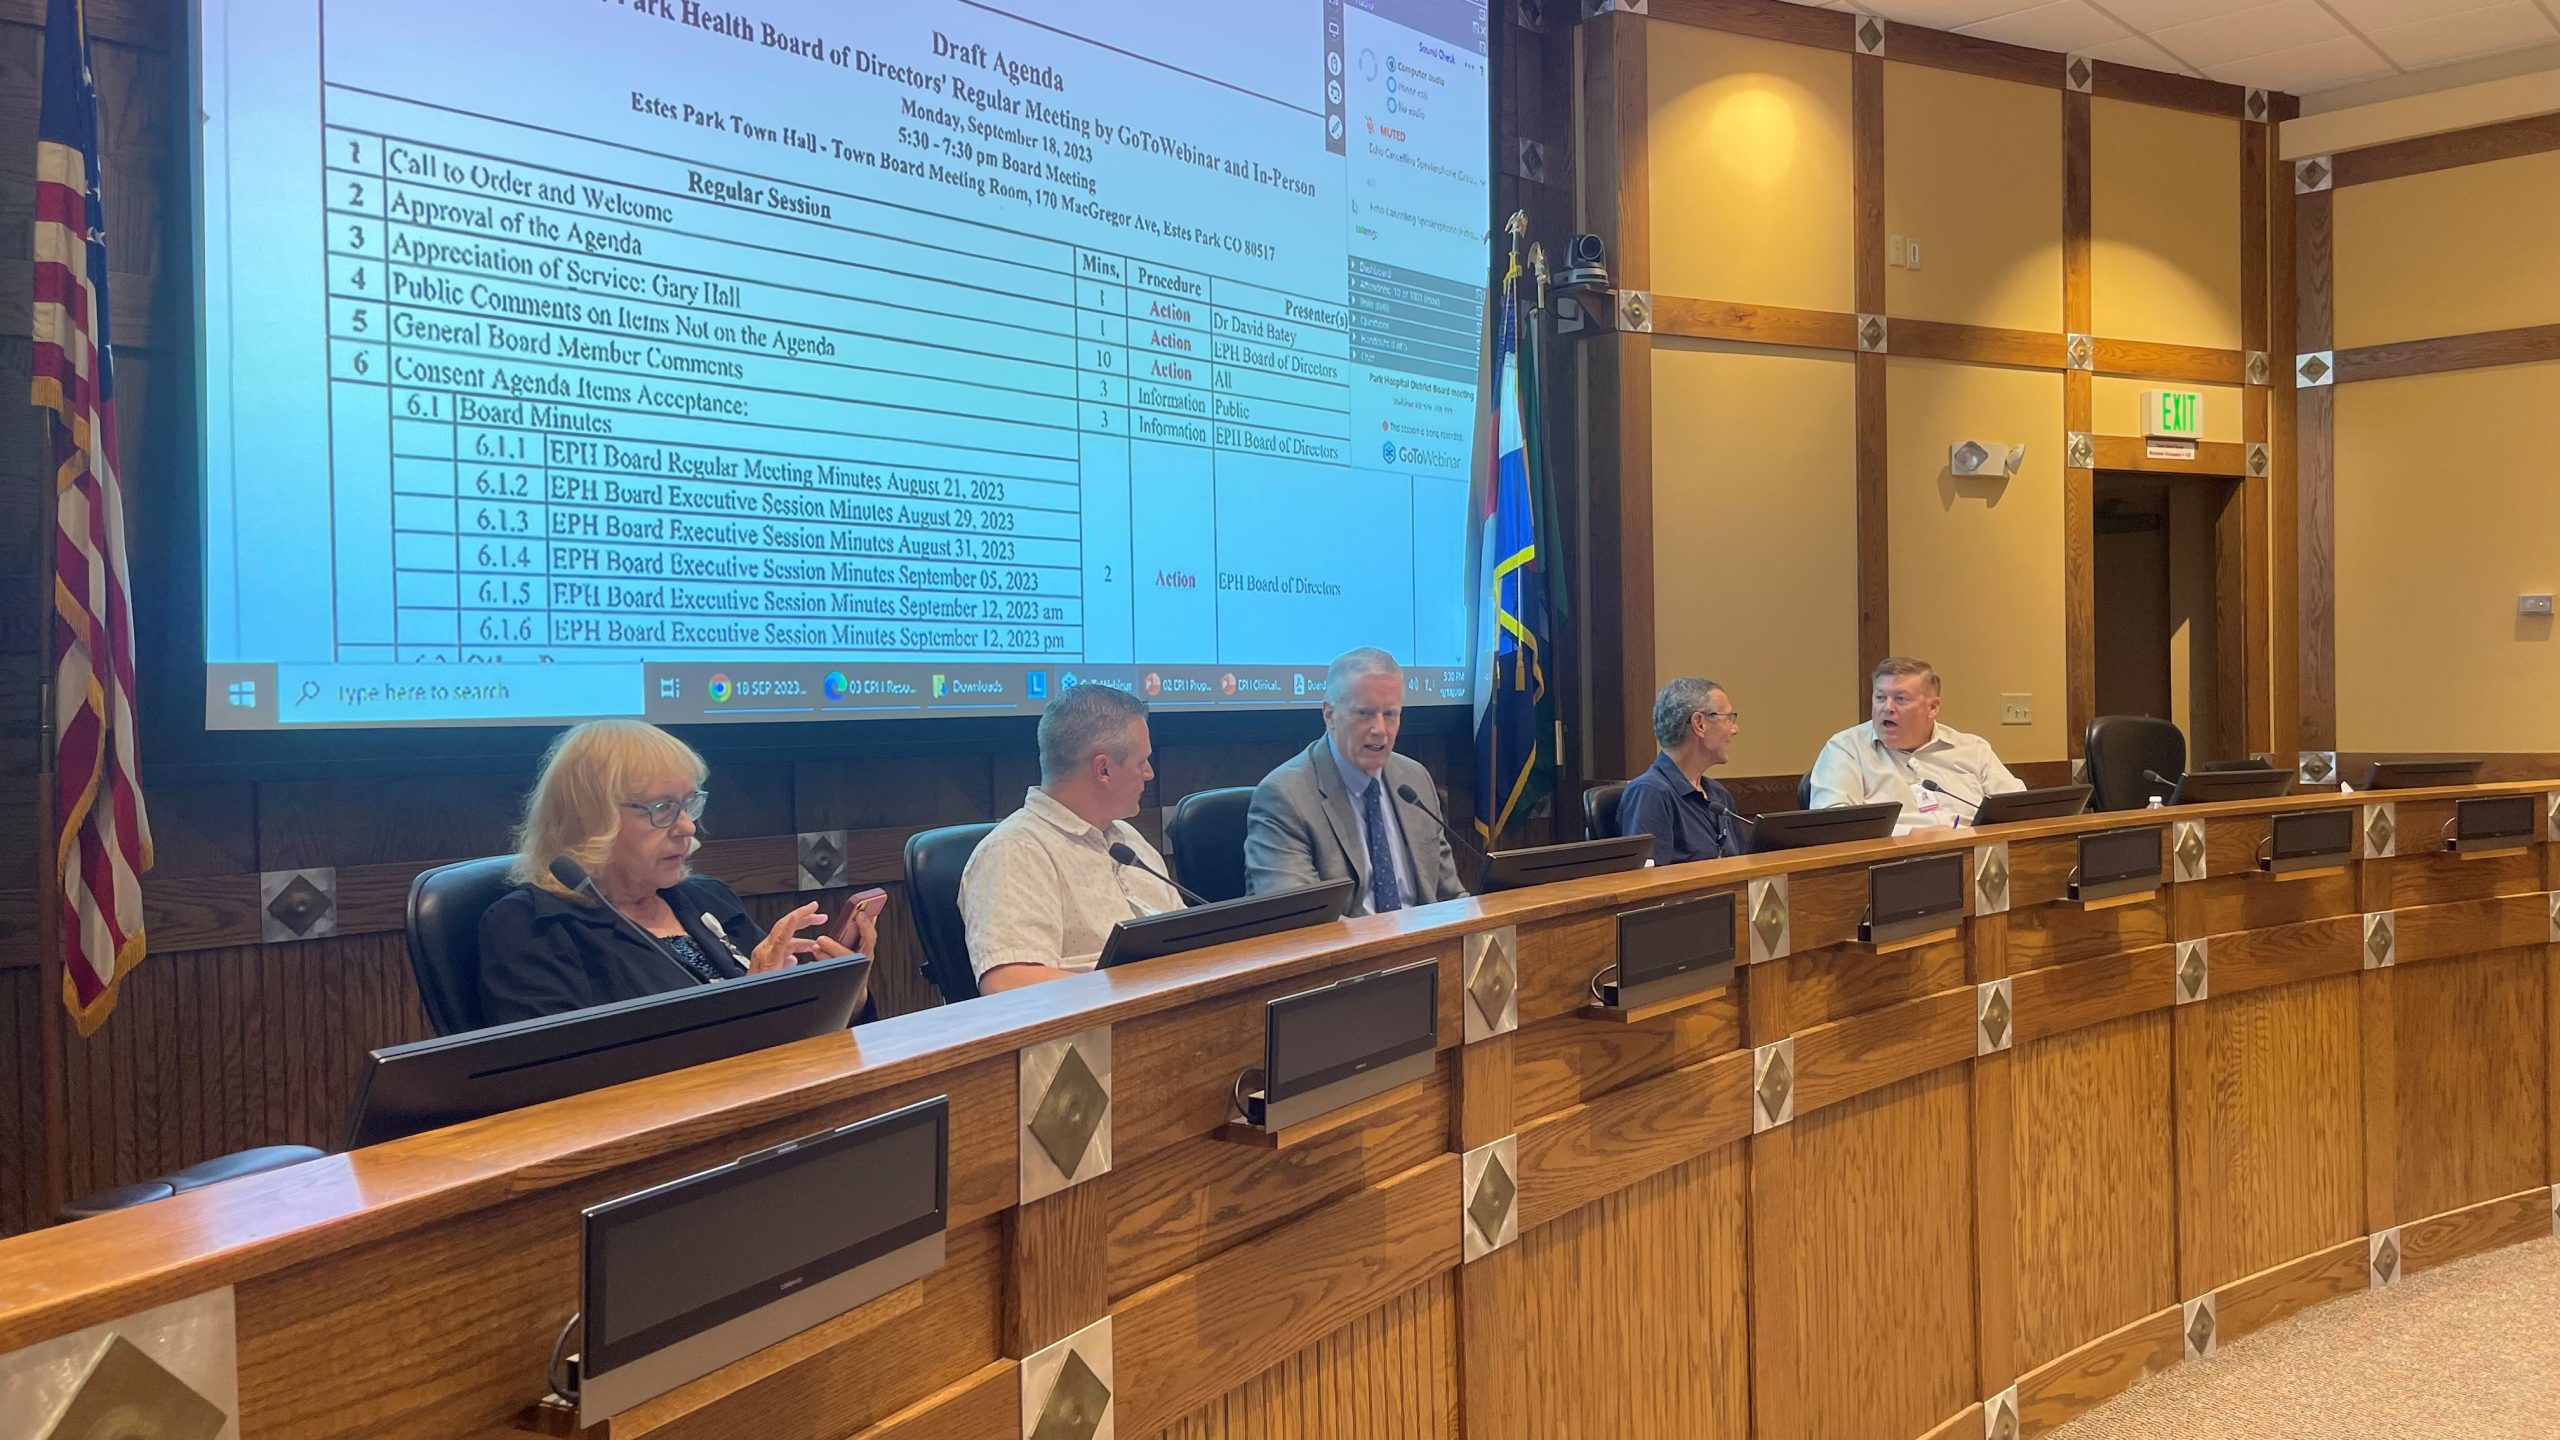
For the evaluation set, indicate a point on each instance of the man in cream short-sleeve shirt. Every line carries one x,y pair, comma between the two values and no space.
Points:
1041,892
1903,744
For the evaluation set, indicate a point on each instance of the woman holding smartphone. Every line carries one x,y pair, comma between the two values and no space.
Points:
621,801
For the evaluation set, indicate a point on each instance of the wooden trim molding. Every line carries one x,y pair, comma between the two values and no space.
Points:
2170,92
1616,203
2505,140
1754,324
2316,672
1977,344
2524,345
1874,481
1764,19
2079,410
2132,452
2152,359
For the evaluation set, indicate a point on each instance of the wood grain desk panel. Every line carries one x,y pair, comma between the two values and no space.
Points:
1928,1226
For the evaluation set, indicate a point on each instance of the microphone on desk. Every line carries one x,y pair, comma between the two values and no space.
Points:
1129,857
1935,787
2167,786
574,875
1408,795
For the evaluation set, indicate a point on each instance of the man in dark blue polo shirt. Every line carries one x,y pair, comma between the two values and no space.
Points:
1689,816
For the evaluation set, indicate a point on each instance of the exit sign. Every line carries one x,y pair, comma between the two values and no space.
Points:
2173,414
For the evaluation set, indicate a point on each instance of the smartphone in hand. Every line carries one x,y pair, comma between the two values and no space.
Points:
850,913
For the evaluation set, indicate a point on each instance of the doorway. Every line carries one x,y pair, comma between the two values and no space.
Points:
2171,582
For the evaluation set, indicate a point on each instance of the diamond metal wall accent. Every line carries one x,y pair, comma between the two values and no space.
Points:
2383,1256
2254,106
2381,941
2197,1324
1066,1388
2079,352
1768,911
1991,878
2079,451
1870,35
2078,73
1871,334
2551,817
2554,935
2259,369
127,1393
2195,971
1994,1018
1489,1191
2555,1211
1614,7
297,904
1635,311
1773,1085
2317,767
2381,830
2000,1416
1531,162
821,859
2316,368
1063,1091
170,1372
2313,175
1490,964
2187,850
2258,458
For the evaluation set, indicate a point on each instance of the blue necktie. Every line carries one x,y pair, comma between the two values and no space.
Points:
1384,893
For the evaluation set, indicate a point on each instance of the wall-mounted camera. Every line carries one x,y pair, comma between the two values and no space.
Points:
1580,297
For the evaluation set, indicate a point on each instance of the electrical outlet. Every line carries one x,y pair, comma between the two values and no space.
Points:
2017,709
1911,253
1895,249
2533,604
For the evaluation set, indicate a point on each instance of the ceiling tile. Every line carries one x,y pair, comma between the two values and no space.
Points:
1943,14
2257,30
2445,38
2149,15
2068,25
2324,66
2371,15
2134,50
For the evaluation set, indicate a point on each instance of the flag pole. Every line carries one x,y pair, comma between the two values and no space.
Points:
51,1013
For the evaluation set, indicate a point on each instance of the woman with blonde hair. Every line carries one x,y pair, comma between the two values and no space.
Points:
620,799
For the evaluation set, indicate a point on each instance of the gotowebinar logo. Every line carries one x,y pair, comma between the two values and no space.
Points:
1387,451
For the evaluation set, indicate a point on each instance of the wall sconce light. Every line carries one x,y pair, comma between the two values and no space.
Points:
1985,457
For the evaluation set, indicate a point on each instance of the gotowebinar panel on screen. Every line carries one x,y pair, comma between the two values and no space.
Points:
786,359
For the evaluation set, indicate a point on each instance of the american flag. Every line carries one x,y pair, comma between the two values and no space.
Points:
104,838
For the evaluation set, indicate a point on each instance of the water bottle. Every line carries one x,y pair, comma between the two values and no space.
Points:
2154,803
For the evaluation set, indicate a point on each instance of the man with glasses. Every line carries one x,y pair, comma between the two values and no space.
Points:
1689,815
1336,810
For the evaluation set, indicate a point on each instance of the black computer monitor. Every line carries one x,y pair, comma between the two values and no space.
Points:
2419,774
1801,829
2053,802
1201,926
1547,864
430,1084
2206,787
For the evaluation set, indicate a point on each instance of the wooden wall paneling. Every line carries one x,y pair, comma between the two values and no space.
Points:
1977,344
24,1006
1994,1098
2269,1134
1754,324
1557,1066
2437,932
2316,684
2471,1080
1193,1336
1778,1399
2079,415
2219,904
2378,1059
2158,360
2131,452
1766,19
1057,1266
2061,998
2286,1289
1634,1314
1839,981
2505,140
2424,877
1874,533
1885,1259
1972,55
2158,87
1582,1155
2521,346
2062,1390
1843,1059
2283,518
1618,629
2473,1229
988,1401
1494,1386
2240,670
2283,954
2041,935
2096,1227
1395,1368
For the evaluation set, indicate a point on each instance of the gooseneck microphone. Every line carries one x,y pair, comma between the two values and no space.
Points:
2167,786
1934,786
1408,795
1129,857
574,875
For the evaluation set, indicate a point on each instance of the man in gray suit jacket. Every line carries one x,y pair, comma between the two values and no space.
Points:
1333,812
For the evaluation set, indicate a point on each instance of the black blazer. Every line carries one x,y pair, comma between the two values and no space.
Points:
541,954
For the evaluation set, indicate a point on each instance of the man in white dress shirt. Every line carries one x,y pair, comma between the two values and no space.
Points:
1041,892
1903,744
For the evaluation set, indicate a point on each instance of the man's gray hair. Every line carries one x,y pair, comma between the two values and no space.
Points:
1675,702
1352,666
1084,721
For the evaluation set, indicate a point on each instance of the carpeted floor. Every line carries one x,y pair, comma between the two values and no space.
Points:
2470,1349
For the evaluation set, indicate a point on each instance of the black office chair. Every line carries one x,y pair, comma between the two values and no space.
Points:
193,1177
1804,791
445,906
1600,810
934,860
1206,838
2118,748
